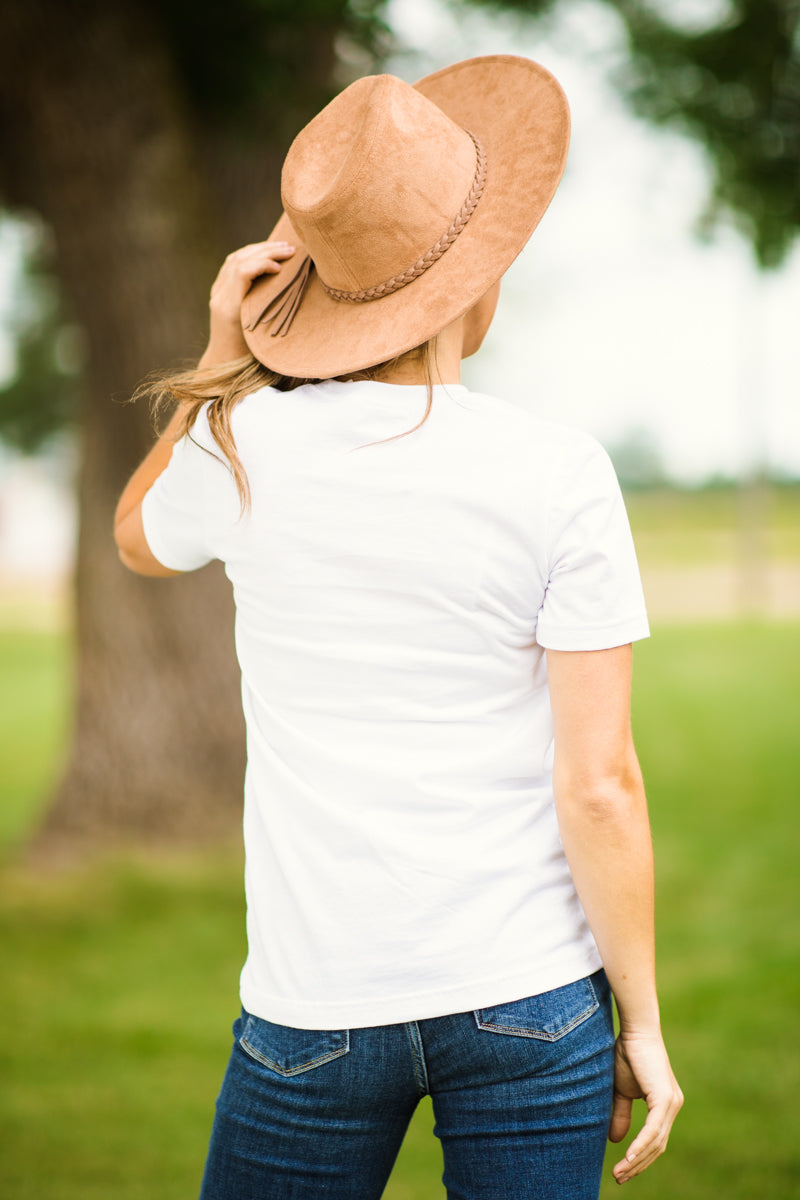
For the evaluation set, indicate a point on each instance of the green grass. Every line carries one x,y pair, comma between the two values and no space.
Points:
34,722
717,715
715,525
119,978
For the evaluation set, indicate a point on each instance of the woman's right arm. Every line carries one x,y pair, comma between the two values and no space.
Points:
225,343
602,816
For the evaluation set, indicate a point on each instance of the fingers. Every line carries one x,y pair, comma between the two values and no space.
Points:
643,1151
244,265
651,1140
260,258
642,1069
260,248
256,247
237,273
620,1117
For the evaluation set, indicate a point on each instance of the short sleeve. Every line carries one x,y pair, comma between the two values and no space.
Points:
193,501
593,598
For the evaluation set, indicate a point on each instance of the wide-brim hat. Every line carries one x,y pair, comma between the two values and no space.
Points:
406,204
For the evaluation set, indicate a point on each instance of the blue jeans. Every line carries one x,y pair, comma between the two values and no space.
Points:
521,1094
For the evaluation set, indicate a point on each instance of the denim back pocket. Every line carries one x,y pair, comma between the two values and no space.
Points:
548,1016
291,1051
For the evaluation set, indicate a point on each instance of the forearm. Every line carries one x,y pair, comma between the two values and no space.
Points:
602,815
606,836
224,346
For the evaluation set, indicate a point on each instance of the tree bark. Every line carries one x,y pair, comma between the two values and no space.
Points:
98,140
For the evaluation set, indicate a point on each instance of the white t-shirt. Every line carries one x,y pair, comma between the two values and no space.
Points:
403,859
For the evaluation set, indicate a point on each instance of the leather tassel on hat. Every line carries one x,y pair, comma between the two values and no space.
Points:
284,305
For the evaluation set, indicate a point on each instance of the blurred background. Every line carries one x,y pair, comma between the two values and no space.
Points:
656,306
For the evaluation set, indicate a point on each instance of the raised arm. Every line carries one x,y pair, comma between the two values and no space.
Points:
225,344
602,815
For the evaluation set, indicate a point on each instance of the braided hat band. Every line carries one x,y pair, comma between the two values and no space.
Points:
281,309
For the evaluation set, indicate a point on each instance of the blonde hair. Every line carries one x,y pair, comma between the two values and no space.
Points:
222,386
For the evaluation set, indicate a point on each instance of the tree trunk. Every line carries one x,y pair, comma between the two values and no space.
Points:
97,141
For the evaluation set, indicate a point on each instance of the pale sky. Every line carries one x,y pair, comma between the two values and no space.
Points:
615,318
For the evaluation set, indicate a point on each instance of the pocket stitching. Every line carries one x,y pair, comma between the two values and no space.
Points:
540,1034
253,1053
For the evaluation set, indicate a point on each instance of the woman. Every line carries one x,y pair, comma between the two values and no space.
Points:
448,858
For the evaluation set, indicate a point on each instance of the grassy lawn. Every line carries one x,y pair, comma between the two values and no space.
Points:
707,526
119,977
34,725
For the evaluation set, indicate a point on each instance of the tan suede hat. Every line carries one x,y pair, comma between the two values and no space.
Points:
406,204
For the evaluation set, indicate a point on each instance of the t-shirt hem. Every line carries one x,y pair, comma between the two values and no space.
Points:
603,637
355,1014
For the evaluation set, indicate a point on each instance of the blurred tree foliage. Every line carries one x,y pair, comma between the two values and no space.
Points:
42,397
239,63
637,461
241,74
733,86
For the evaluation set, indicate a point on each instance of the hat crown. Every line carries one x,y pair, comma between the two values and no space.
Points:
374,180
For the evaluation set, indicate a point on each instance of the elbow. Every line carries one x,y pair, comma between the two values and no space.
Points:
126,556
603,794
145,564
128,560
134,552
126,553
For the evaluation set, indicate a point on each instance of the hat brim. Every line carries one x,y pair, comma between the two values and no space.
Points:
519,113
